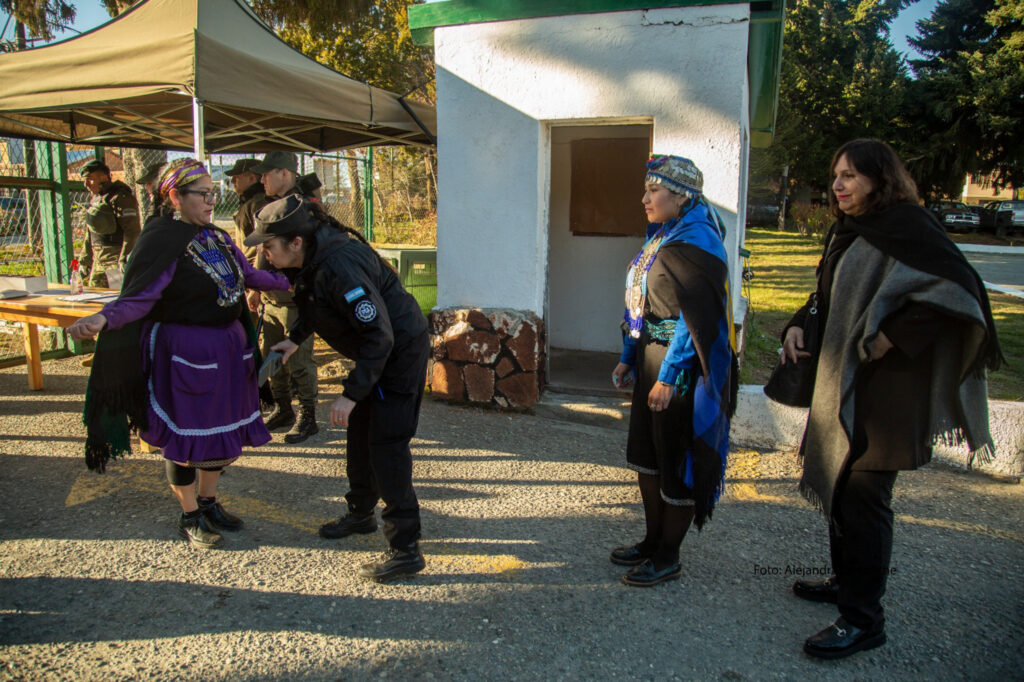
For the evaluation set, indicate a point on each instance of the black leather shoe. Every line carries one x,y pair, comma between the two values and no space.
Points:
198,532
646,575
218,518
304,427
394,563
826,590
842,639
347,525
629,556
282,416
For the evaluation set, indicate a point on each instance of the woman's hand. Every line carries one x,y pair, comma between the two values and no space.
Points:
660,396
622,375
87,327
340,411
286,348
881,346
252,299
793,345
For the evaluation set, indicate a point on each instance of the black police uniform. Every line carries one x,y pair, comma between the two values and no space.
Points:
355,302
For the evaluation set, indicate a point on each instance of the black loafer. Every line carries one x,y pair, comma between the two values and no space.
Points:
198,532
629,556
347,525
826,590
646,575
394,563
842,639
220,519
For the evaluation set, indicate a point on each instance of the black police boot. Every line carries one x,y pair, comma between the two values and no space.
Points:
282,416
394,563
347,525
305,426
197,531
217,517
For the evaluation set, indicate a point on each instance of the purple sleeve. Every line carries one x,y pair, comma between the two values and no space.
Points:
261,280
130,308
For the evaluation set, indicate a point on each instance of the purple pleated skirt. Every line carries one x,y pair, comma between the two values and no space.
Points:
203,401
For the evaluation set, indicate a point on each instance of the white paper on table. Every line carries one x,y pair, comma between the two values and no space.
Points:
88,297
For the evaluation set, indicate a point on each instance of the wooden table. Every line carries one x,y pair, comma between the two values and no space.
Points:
46,309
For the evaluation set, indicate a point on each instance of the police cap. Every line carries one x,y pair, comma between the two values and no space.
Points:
277,159
242,166
284,216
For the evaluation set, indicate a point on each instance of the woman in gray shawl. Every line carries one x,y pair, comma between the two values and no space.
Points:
905,341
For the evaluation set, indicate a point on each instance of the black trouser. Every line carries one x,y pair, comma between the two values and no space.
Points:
861,544
379,459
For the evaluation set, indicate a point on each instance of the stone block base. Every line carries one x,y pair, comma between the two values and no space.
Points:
488,357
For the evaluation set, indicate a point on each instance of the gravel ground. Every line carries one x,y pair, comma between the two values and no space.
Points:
519,514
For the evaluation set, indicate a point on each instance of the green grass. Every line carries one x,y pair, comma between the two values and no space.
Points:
783,264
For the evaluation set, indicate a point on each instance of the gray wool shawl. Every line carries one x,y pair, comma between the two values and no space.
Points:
868,287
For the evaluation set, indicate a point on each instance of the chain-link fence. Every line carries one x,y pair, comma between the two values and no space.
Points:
28,219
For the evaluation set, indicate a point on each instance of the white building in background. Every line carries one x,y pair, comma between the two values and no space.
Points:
545,120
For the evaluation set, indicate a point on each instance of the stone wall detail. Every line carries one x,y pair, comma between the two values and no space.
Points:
487,356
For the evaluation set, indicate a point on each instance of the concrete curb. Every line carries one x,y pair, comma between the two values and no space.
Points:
760,422
988,248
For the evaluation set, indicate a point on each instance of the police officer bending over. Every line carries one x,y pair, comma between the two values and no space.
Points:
354,301
112,219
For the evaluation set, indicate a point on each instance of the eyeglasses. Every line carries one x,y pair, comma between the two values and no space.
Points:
208,195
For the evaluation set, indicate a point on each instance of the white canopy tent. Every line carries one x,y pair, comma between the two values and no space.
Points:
201,75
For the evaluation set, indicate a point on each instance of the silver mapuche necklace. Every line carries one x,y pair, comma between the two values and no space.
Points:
215,264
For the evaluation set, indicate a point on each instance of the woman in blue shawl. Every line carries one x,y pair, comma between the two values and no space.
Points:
679,346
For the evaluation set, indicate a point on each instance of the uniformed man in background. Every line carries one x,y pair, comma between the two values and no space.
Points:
279,175
251,198
112,222
148,181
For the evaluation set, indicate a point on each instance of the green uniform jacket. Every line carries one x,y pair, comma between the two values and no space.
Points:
112,228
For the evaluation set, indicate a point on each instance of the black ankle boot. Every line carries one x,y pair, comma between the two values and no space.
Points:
197,531
282,416
305,426
217,517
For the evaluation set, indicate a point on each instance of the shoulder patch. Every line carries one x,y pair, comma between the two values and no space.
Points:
354,294
366,311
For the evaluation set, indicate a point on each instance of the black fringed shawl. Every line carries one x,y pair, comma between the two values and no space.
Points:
116,397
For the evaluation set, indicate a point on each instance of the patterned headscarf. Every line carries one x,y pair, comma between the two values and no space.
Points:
179,173
679,175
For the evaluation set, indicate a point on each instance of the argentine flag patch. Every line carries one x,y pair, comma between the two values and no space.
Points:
354,294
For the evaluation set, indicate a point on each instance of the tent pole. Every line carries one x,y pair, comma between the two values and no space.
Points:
198,132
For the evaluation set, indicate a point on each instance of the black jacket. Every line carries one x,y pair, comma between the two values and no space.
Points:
355,302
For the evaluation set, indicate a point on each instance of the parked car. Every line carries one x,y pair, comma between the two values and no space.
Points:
956,216
1016,207
998,216
762,208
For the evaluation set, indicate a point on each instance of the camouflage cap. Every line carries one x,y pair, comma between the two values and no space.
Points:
150,174
278,159
242,166
94,165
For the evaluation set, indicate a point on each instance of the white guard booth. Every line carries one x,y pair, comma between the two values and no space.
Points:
545,119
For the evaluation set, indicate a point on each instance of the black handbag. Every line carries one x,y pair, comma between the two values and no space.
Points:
793,383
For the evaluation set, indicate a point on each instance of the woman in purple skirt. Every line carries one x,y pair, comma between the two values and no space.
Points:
175,357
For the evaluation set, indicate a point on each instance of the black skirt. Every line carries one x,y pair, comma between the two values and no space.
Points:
658,441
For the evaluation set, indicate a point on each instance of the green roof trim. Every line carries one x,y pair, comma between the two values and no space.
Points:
764,44
424,18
